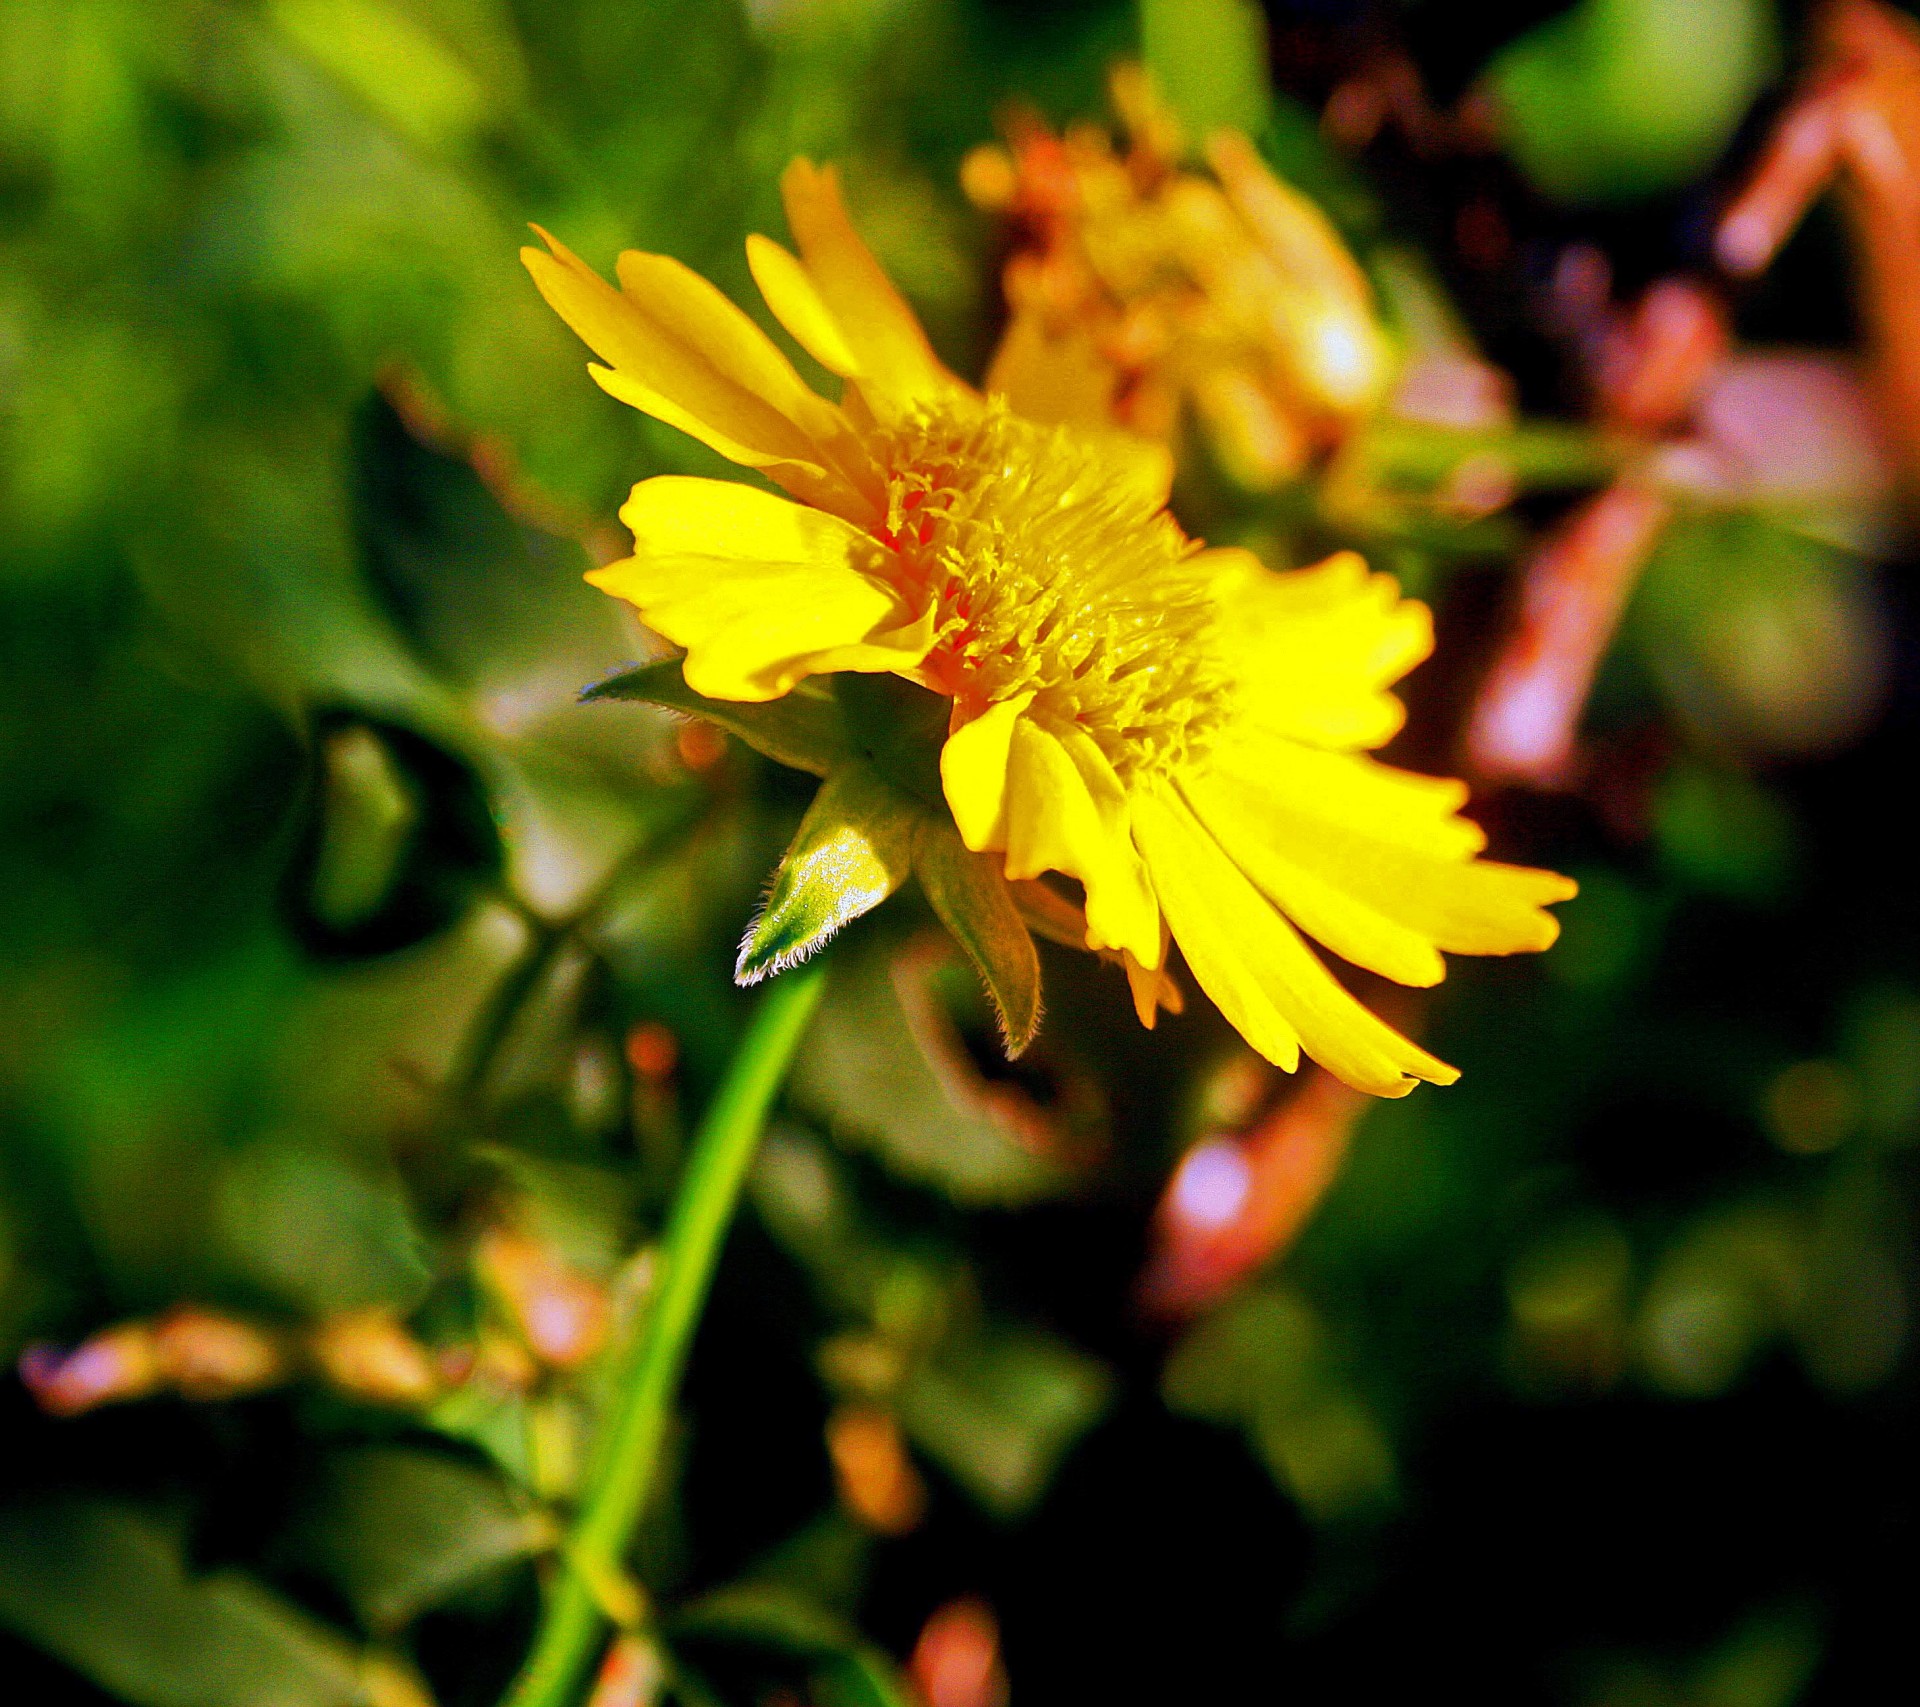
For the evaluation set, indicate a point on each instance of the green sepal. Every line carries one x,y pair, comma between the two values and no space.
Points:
899,728
974,901
802,728
853,849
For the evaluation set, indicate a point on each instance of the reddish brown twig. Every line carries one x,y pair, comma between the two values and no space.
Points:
1857,123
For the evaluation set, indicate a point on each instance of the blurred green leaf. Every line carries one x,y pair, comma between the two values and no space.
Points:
853,849
496,1420
1537,455
1764,638
399,1529
494,606
321,1233
1617,99
1725,833
1720,1293
581,1210
849,1672
801,729
1260,1342
1001,1411
367,813
401,838
1262,1361
1767,1661
1209,58
970,895
393,62
1608,932
1882,1041
107,1589
886,1068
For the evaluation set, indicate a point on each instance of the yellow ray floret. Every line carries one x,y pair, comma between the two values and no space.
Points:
759,591
1181,732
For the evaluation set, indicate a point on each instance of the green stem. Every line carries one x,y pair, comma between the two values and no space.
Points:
628,1458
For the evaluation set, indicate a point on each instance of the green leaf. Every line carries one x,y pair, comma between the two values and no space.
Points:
1765,638
1724,833
399,1529
803,729
1000,1411
886,1070
1543,456
849,1671
853,849
972,899
106,1589
398,67
1209,58
1266,1361
1618,99
319,1231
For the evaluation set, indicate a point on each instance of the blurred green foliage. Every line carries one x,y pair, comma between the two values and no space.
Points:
1615,100
349,959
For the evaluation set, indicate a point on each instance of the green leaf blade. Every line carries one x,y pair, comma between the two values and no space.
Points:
399,1530
847,1671
108,1590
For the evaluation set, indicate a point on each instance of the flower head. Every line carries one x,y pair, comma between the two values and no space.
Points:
1142,291
1179,730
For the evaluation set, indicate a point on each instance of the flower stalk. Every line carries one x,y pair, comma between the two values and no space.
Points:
592,1569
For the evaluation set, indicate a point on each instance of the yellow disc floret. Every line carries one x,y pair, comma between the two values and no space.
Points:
1053,574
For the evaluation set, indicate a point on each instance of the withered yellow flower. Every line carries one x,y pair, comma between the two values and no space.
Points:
1181,730
1143,291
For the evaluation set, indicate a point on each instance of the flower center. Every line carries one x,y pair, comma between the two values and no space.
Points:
1052,574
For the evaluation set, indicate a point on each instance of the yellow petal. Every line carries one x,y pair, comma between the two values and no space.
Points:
1264,979
796,304
1061,379
1152,988
1291,228
761,592
1066,811
1254,430
973,773
1064,381
680,350
1143,986
1473,907
1329,329
1312,900
874,321
1369,859
1057,379
806,480
1481,908
1316,649
1284,779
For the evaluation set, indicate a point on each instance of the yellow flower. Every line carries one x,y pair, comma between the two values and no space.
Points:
1142,291
1180,730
